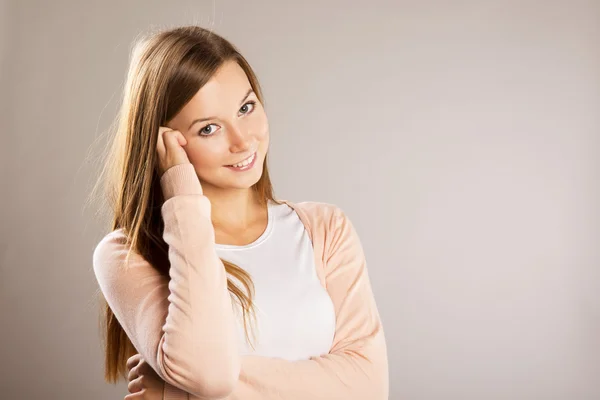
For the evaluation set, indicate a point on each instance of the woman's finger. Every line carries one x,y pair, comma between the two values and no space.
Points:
136,385
141,395
133,361
173,141
134,373
160,143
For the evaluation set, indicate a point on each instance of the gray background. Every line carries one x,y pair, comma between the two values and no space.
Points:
461,137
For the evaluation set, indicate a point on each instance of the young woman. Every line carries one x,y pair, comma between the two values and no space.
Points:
214,289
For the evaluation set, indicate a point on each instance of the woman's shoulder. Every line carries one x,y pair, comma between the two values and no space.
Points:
112,240
318,213
314,208
112,248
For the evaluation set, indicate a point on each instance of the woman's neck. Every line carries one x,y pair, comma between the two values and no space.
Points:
235,210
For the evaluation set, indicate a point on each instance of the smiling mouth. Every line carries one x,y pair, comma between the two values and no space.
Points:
247,160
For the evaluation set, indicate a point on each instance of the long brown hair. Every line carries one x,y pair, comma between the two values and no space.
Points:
167,68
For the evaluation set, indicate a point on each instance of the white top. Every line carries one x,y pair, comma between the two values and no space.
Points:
295,318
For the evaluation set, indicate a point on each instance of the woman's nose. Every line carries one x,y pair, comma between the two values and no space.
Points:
241,139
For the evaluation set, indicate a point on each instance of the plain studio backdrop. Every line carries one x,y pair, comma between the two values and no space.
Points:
461,137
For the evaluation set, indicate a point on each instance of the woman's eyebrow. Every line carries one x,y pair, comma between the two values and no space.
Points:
246,96
208,118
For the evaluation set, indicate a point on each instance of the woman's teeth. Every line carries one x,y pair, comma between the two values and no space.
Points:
245,162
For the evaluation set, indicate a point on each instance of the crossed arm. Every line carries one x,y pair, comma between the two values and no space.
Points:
187,336
356,366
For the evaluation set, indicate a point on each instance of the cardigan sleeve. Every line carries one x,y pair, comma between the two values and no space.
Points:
356,367
183,325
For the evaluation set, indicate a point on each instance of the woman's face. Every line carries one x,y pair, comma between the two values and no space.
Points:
233,127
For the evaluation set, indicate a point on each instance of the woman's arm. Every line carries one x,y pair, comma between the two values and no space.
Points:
182,325
356,367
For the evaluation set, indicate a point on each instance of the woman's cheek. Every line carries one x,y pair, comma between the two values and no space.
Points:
261,126
204,156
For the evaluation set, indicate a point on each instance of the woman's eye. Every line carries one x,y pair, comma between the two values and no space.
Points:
205,132
244,108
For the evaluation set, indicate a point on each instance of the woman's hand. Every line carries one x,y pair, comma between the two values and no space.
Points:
170,149
144,382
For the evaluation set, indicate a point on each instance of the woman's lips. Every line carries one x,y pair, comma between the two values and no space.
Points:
246,167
